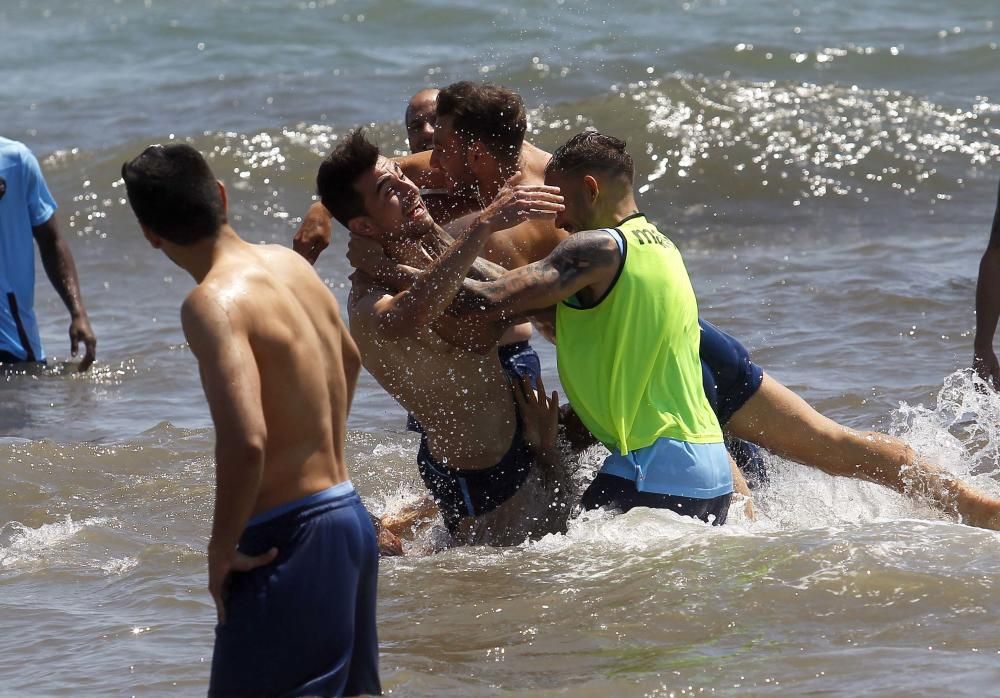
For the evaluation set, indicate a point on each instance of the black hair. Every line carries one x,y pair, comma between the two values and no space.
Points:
591,151
338,173
173,193
487,113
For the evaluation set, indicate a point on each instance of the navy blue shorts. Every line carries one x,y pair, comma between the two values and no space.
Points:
520,360
465,492
303,625
730,377
619,494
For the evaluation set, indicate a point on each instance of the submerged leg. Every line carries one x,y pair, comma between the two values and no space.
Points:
782,422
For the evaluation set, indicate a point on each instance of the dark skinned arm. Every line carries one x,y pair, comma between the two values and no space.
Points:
61,270
988,306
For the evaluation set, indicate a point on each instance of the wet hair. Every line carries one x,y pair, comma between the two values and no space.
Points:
487,113
173,193
340,170
592,151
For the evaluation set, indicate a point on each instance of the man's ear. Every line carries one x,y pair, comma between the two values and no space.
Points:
155,240
363,226
591,187
224,195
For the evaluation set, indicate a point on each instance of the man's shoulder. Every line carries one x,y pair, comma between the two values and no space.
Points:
14,152
203,302
418,168
523,243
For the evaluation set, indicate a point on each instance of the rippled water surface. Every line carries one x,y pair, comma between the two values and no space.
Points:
829,171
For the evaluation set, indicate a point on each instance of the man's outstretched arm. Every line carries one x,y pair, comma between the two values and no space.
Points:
435,288
61,270
584,259
988,306
231,380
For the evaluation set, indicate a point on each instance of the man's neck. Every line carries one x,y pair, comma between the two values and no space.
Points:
406,250
491,185
199,258
622,207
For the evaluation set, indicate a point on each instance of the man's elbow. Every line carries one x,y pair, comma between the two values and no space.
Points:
247,450
481,298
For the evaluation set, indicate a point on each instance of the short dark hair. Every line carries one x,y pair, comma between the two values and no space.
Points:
592,151
485,112
173,193
340,170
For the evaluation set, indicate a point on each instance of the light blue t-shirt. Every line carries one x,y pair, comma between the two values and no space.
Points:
669,466
26,203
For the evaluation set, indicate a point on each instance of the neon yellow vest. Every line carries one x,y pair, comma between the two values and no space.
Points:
630,363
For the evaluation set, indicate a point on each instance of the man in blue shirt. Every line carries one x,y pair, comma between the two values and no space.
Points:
27,210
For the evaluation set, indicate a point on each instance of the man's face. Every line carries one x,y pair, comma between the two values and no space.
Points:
578,213
451,155
420,118
393,202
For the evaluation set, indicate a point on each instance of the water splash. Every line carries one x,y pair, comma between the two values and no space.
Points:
27,546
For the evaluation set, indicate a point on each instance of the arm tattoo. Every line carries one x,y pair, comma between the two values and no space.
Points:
575,263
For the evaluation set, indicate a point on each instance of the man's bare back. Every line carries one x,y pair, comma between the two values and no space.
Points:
284,322
291,545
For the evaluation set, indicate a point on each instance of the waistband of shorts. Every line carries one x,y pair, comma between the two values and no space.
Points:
514,349
330,494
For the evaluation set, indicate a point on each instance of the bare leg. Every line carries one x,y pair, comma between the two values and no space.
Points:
782,422
740,487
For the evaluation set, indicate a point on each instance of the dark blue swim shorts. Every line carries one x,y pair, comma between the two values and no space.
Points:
621,495
303,625
730,377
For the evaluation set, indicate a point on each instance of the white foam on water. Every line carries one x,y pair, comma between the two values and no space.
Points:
961,433
118,566
28,545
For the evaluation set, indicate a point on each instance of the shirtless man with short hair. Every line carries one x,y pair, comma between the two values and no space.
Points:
292,558
476,450
420,119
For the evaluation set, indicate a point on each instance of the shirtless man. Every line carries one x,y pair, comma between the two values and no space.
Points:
438,193
420,119
594,174
292,559
475,451
988,306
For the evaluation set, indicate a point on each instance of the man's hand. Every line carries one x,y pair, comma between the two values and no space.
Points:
986,365
221,563
516,204
539,417
313,235
366,255
80,331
